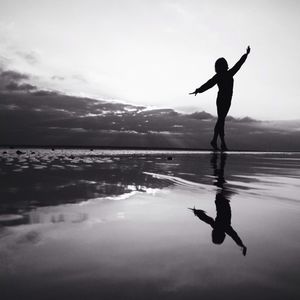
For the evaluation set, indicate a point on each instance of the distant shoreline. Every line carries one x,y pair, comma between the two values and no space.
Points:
91,148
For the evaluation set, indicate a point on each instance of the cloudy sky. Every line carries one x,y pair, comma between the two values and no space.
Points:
154,52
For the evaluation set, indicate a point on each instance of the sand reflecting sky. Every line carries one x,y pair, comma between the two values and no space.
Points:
116,225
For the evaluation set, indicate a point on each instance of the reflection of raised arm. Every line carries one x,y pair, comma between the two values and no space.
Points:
203,216
232,233
238,65
209,84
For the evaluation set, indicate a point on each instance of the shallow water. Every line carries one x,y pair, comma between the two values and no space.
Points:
116,225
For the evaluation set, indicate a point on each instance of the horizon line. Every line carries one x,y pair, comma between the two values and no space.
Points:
94,147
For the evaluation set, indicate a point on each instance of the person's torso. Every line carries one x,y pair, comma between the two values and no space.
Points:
223,217
225,84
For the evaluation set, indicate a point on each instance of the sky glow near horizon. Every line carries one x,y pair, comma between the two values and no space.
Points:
156,52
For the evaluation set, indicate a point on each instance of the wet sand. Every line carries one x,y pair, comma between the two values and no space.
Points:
78,224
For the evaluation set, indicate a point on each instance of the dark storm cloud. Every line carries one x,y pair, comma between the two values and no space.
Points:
12,75
49,118
241,120
12,86
201,116
43,93
13,81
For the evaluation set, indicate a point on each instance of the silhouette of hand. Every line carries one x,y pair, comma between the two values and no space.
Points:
193,209
197,211
195,92
248,49
244,249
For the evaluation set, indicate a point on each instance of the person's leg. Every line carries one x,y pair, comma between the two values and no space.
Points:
222,116
215,137
222,131
221,124
217,126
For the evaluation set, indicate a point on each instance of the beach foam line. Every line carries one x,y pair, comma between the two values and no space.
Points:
182,182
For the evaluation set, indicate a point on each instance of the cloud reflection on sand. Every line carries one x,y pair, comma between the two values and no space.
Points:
48,178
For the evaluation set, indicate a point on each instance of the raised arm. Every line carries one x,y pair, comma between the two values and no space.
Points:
238,65
232,233
207,85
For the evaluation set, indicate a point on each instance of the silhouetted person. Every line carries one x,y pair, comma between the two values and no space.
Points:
221,225
224,80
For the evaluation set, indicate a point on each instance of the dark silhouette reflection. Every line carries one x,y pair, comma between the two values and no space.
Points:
221,225
224,80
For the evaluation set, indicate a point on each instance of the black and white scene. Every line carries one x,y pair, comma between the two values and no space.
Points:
149,149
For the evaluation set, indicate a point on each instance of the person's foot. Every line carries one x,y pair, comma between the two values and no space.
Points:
214,145
224,147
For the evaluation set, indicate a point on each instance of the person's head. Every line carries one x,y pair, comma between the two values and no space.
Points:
218,236
221,65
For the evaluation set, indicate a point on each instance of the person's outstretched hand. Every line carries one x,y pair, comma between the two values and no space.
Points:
248,49
195,92
244,250
193,209
197,211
